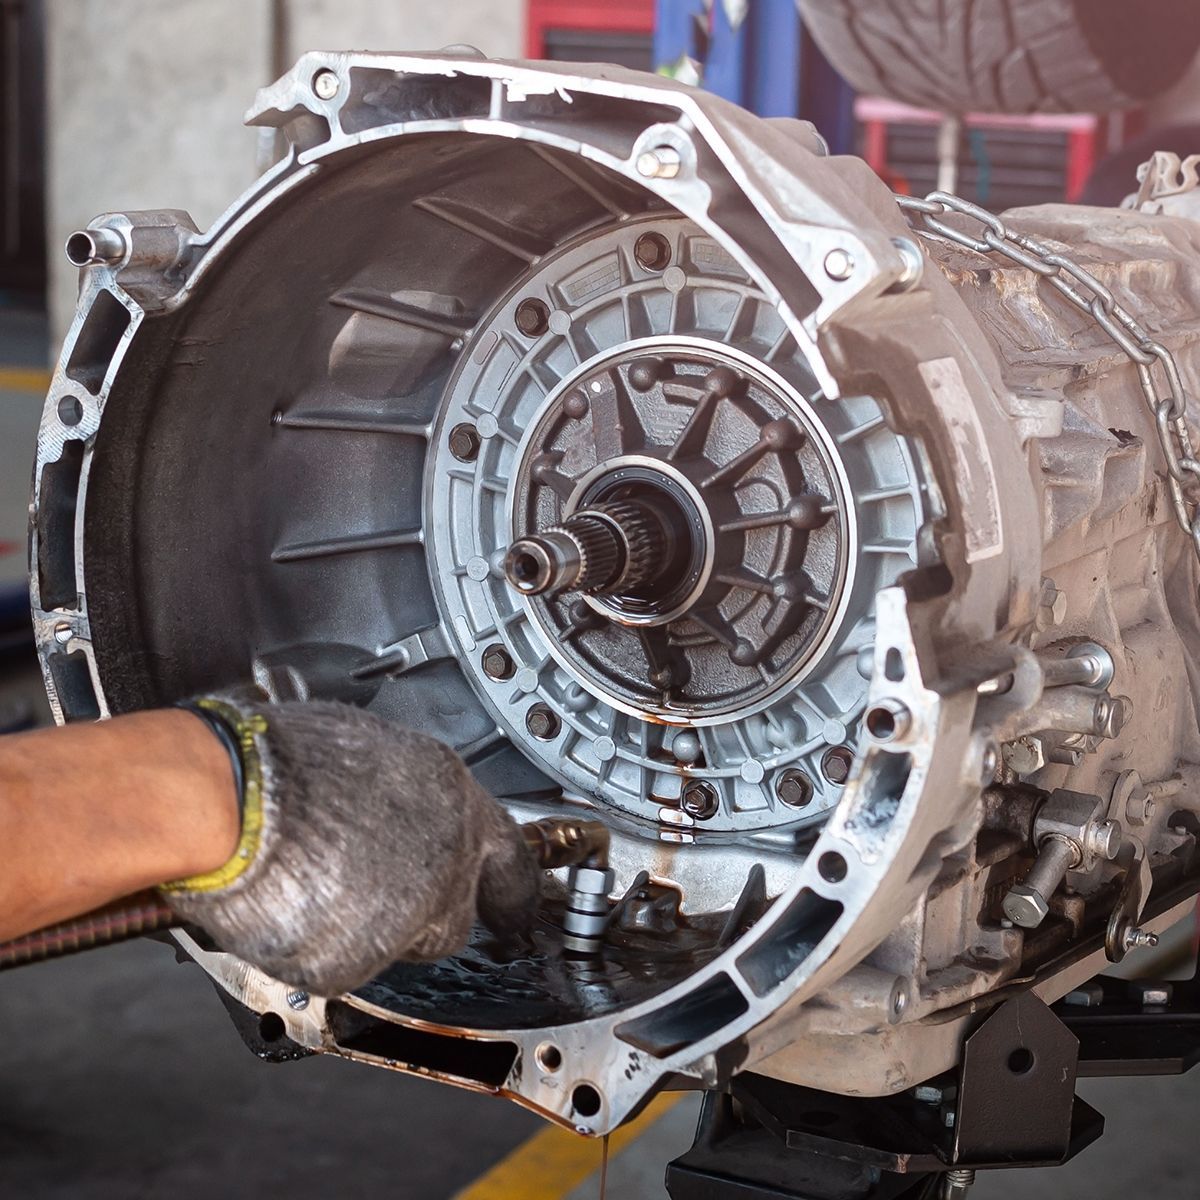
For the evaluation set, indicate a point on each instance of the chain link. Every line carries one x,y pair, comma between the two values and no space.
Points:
1154,362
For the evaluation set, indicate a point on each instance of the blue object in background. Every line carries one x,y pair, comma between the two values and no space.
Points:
768,64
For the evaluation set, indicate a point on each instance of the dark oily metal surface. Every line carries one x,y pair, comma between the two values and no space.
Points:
485,989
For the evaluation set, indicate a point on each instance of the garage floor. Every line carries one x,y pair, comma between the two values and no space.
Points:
121,1077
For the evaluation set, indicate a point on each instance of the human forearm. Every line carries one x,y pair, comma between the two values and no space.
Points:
93,812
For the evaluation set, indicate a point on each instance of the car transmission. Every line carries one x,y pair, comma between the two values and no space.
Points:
837,552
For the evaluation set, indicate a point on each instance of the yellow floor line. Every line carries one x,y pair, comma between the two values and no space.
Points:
554,1162
23,379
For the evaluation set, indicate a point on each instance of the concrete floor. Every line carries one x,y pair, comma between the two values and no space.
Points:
121,1078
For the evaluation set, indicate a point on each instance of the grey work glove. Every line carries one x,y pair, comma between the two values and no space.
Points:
362,844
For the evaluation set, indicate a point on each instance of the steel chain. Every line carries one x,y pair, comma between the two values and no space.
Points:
1168,404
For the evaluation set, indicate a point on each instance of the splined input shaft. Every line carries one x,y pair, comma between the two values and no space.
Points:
608,548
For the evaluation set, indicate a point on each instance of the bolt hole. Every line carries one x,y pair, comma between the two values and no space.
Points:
652,252
533,317
586,1100
832,867
549,1057
70,410
881,724
893,665
271,1027
1020,1061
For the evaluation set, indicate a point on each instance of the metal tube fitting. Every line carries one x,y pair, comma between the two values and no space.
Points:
587,909
93,247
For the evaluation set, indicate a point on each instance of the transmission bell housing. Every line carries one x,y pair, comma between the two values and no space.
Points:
835,551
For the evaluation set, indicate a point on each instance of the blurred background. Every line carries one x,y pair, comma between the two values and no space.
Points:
120,1075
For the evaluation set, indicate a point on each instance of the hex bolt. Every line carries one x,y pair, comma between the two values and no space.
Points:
325,84
700,800
297,1000
794,788
836,763
497,662
542,721
1028,903
652,252
532,317
839,264
660,162
464,442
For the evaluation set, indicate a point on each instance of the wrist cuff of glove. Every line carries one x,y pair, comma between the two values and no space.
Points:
239,734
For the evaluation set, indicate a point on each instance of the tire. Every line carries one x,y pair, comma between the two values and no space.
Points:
1012,56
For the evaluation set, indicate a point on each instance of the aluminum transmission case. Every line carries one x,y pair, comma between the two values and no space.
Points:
475,298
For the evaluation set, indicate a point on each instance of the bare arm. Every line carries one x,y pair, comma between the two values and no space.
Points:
90,813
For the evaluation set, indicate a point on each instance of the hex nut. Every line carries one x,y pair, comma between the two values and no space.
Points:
1025,907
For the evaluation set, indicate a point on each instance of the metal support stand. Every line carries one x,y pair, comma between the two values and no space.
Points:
1011,1103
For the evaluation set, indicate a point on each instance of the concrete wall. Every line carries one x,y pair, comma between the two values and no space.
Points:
145,98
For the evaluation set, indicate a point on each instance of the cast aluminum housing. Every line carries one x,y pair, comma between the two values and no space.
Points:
253,466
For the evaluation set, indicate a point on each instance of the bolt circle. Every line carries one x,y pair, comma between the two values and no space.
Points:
497,662
794,788
836,763
464,442
543,722
325,85
700,800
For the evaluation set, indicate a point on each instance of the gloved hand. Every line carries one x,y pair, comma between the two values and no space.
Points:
362,844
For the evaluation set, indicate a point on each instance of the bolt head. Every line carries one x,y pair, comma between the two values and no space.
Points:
700,800
836,763
794,788
1025,907
297,1000
543,722
1052,610
326,84
464,442
497,663
662,162
839,264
